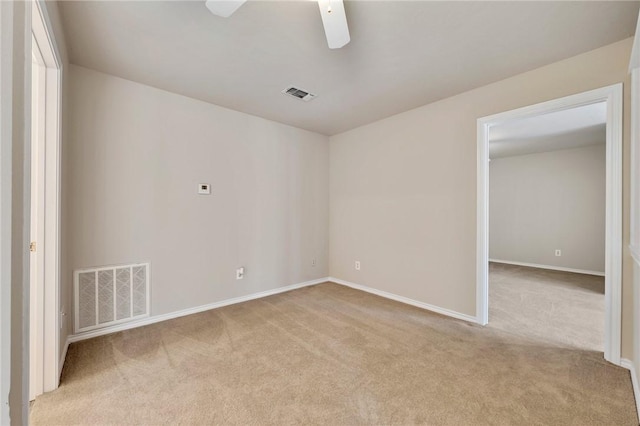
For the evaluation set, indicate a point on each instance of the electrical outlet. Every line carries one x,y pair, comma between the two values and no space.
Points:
204,189
558,252
313,263
357,265
240,273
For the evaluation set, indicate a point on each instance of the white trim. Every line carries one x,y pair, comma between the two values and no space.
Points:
63,357
550,267
613,223
636,339
46,20
37,347
635,162
37,222
634,210
49,245
482,226
164,317
625,363
159,318
406,300
613,227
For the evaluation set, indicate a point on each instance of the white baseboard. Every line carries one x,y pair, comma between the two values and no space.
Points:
625,363
164,317
63,357
159,318
406,300
553,268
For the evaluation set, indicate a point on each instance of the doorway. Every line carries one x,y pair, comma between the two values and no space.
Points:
44,299
611,98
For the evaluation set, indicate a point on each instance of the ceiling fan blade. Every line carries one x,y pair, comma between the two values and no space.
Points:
334,21
224,8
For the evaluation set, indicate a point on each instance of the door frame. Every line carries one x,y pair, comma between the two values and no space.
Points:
613,96
36,258
47,348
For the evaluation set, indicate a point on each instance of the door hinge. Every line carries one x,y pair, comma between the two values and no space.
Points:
32,246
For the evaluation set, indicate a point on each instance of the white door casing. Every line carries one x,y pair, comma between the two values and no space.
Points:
634,214
36,278
45,305
612,95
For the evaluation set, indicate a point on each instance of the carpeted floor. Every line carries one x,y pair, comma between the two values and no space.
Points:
331,355
556,307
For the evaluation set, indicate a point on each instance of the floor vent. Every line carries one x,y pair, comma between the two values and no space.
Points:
110,295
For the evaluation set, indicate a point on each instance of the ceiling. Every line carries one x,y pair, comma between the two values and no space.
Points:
401,55
566,129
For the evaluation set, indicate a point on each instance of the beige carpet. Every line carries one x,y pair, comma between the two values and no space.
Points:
331,355
554,307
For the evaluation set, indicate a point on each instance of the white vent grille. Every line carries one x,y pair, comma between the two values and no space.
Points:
110,295
303,95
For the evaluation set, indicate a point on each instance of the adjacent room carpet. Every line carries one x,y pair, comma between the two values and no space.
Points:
332,355
558,307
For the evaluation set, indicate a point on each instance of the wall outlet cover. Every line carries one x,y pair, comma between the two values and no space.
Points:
204,189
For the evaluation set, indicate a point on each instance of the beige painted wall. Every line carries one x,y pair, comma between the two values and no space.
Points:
403,189
15,124
133,159
546,201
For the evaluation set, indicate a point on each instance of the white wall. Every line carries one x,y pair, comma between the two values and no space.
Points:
403,189
546,201
133,159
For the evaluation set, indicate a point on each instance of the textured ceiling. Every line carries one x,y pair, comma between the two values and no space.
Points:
402,54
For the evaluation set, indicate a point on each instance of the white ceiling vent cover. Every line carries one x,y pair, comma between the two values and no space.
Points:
111,295
301,94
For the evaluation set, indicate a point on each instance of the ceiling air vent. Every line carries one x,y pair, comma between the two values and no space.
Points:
298,93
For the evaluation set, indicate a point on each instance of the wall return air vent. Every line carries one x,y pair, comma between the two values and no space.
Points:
110,295
298,93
